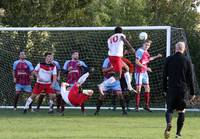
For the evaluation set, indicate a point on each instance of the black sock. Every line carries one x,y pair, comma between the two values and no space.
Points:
16,100
98,104
62,105
58,100
126,97
114,101
30,105
168,117
122,104
180,122
83,107
40,99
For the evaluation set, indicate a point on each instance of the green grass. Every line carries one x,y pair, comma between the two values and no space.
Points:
108,125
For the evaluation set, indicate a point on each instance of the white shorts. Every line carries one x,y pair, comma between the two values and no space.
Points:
113,86
141,78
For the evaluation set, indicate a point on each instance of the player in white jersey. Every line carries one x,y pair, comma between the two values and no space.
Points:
46,74
115,53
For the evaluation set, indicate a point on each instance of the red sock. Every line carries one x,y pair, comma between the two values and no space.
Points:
137,99
147,98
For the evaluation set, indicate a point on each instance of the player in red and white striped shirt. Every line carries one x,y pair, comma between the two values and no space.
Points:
44,72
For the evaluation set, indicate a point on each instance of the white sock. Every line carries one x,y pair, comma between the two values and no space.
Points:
28,102
109,81
128,79
86,92
50,105
82,79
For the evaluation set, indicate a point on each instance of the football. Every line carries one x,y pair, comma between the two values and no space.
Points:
143,36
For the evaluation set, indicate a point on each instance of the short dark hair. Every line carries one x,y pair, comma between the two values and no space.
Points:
118,29
47,53
75,51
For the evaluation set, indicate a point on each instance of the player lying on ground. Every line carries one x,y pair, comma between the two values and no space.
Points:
75,96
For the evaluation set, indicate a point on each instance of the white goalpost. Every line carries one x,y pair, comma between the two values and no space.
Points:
91,43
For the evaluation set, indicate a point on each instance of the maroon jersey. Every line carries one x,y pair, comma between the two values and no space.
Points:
23,69
73,67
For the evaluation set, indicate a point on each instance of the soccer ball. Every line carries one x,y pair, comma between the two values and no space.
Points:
143,36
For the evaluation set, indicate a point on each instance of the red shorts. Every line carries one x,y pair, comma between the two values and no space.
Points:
39,88
117,63
75,97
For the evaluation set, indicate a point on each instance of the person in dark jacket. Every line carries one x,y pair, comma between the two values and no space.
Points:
177,81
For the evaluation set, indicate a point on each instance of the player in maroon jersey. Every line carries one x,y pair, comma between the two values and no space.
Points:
22,70
74,68
46,74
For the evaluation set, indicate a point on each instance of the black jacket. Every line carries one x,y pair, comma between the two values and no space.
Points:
178,73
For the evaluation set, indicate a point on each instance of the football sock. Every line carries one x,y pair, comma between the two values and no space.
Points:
82,107
50,105
28,102
168,117
40,100
180,122
58,100
128,79
122,104
147,99
16,100
83,78
137,99
98,105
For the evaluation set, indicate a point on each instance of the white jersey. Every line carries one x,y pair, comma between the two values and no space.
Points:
116,45
45,72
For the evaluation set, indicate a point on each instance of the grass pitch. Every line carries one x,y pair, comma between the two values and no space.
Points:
108,125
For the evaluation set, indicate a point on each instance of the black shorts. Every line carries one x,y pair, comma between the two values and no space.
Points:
175,100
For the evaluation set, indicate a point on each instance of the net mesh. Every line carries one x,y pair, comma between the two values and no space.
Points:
92,46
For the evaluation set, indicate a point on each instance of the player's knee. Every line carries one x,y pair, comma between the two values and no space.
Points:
138,89
147,89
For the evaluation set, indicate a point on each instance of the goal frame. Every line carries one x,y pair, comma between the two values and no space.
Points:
168,46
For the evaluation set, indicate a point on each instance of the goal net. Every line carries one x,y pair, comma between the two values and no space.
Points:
91,42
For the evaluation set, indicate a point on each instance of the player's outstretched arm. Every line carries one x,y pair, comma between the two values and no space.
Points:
155,57
142,66
131,49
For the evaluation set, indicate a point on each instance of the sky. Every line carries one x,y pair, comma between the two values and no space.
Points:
198,9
